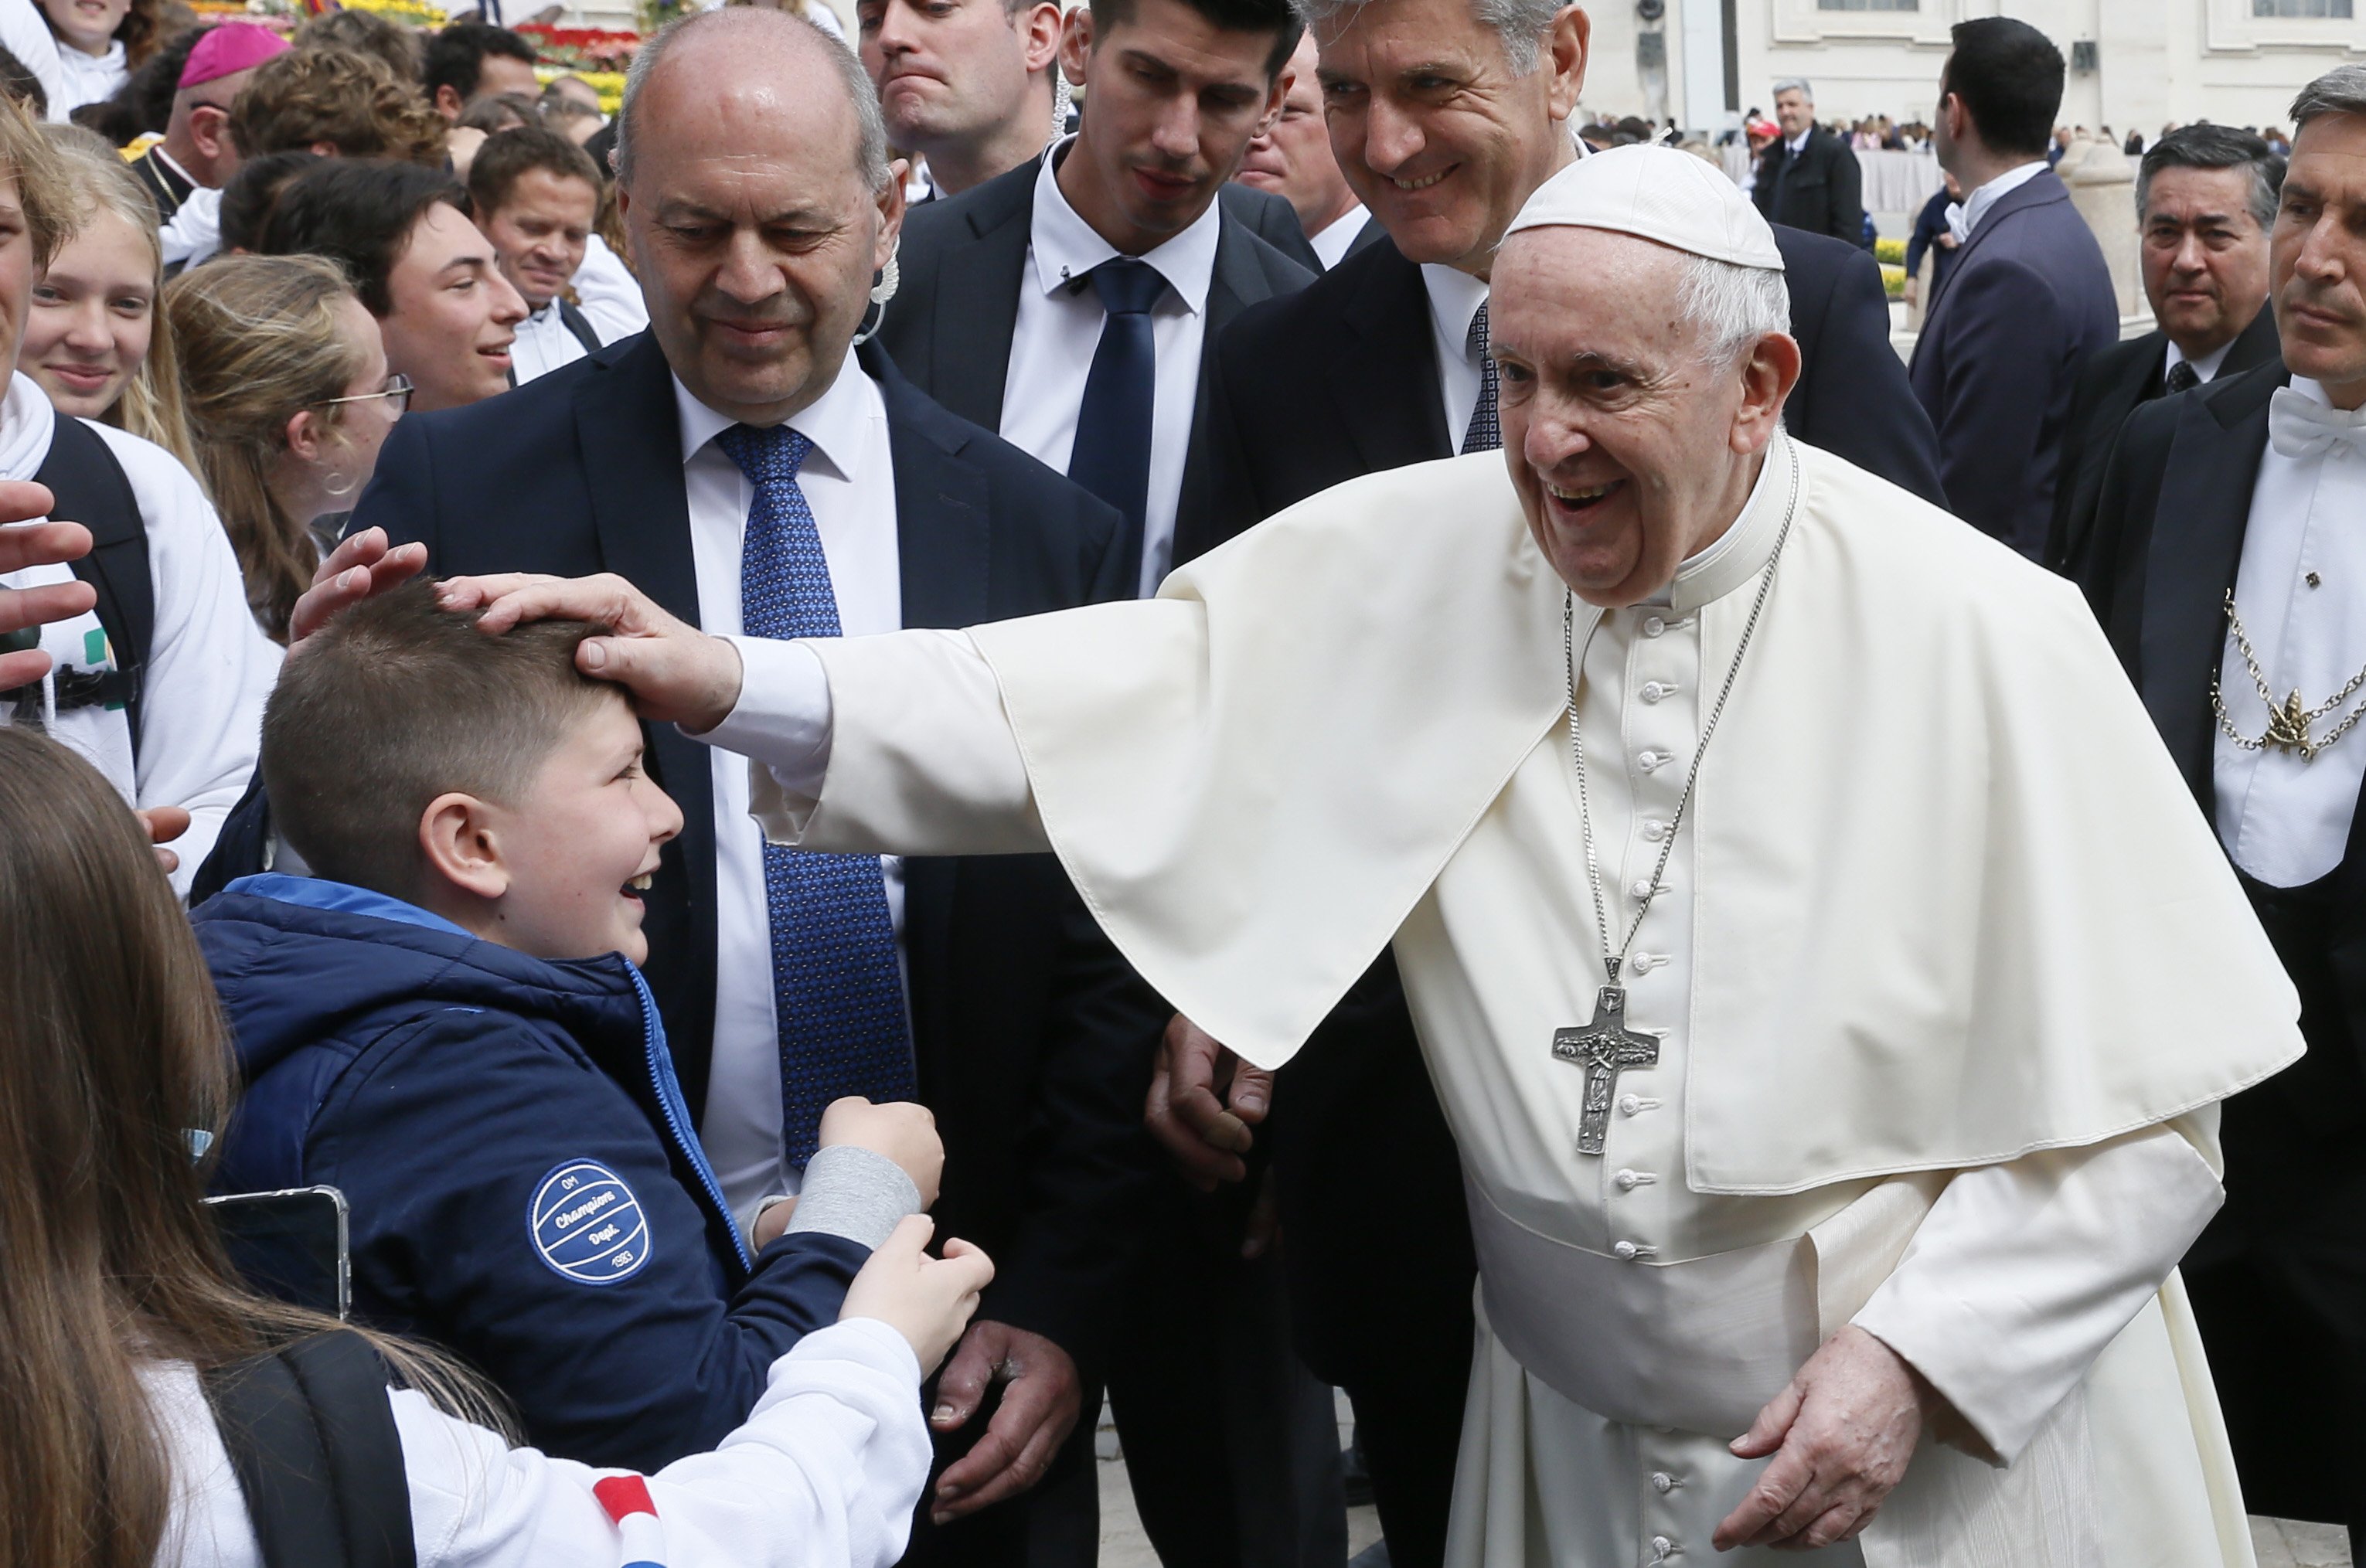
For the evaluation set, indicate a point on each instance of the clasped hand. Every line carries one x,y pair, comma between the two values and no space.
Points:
1841,1434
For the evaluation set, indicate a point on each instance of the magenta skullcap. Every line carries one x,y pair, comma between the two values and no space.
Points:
228,48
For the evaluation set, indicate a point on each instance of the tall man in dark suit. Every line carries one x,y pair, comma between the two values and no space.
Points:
740,465
2205,199
1810,179
1066,304
2237,578
1380,363
2028,297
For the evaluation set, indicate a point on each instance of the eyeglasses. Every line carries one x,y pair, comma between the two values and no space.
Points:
397,387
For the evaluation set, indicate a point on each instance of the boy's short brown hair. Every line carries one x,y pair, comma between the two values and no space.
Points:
507,156
399,701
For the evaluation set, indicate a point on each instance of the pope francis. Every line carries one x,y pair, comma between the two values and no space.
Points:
1828,979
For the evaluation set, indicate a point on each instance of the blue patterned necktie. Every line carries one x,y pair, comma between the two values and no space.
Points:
1486,433
837,992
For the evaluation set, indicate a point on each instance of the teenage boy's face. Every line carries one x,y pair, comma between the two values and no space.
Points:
454,315
575,845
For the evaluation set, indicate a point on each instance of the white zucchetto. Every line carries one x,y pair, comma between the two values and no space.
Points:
1658,194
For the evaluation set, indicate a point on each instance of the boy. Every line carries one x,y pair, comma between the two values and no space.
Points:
446,1023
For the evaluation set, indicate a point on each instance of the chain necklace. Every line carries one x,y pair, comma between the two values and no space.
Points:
1606,1047
1614,961
2288,723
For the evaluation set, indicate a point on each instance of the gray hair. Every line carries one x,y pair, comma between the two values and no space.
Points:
2215,147
1796,84
1520,24
1733,307
870,124
2340,91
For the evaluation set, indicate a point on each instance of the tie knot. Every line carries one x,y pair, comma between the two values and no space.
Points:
1474,341
767,456
2183,378
1127,286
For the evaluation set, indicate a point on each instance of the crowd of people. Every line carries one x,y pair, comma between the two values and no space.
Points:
1089,635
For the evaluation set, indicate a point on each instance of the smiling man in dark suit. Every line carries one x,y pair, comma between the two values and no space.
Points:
1067,303
2229,570
739,465
2028,297
2205,198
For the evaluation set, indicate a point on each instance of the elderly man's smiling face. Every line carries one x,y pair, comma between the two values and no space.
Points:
1631,446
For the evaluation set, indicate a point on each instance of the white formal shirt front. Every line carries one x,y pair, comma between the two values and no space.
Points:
1059,327
849,480
1455,297
1331,245
545,342
2205,368
2301,591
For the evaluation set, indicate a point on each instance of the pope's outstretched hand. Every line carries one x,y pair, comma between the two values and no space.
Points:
676,673
1842,1433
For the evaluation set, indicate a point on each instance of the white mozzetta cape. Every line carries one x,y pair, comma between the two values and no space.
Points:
1953,904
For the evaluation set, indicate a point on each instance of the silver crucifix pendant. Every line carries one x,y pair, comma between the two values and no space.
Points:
1603,1049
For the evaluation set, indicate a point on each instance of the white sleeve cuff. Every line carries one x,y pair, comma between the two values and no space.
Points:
782,718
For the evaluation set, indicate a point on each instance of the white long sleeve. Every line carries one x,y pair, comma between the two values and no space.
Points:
2023,1272
890,745
823,1474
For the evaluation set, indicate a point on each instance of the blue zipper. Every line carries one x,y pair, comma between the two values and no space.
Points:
677,1114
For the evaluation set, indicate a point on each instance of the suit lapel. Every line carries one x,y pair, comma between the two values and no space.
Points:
943,507
2256,345
977,299
1236,283
1387,391
2196,545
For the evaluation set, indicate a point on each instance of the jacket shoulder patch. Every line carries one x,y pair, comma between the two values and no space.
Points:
587,1225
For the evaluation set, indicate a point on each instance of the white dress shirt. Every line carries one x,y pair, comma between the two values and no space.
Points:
849,479
545,342
1454,298
1331,245
1059,327
2206,368
2285,821
1965,216
210,665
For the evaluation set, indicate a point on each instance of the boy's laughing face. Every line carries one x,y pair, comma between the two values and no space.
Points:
579,847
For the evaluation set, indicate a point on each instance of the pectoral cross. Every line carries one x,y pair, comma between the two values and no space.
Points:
1604,1049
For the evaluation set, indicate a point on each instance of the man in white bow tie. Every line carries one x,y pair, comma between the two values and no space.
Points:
2235,592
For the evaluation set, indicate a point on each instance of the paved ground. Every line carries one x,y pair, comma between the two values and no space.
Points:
2283,1543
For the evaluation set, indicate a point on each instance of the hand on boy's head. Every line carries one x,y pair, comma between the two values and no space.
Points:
676,673
165,823
903,1131
358,567
927,1300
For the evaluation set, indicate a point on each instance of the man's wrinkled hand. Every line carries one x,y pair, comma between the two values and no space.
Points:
1842,1434
677,674
1203,1102
357,569
1043,1397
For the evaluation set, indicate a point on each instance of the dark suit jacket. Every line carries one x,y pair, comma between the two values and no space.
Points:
2025,302
1821,190
1034,1039
950,323
2174,507
1339,381
2109,387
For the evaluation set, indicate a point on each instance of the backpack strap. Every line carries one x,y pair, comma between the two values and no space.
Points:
575,321
90,488
312,1436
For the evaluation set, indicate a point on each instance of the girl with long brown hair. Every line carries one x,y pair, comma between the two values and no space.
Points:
284,380
117,1298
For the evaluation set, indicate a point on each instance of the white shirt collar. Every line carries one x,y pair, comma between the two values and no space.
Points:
835,422
1454,298
1800,140
2206,368
1976,204
1065,247
1739,553
1331,244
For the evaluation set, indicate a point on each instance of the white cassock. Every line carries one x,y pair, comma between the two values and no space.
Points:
1946,973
